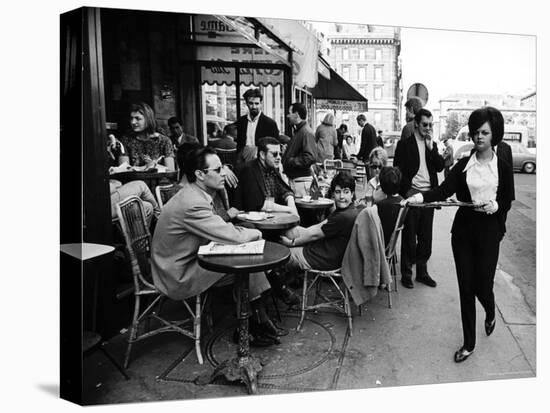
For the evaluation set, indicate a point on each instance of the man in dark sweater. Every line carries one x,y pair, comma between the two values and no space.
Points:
368,138
301,151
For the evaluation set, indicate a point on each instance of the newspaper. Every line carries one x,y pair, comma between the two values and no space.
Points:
216,248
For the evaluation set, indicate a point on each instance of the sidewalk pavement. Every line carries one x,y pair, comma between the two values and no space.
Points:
412,343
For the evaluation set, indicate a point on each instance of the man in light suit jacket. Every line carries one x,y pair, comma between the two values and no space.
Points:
189,221
254,126
419,161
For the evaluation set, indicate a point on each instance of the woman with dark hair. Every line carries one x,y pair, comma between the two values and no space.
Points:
485,180
144,145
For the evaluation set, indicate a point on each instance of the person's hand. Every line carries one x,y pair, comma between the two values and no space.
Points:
414,199
429,142
233,212
286,241
489,207
230,178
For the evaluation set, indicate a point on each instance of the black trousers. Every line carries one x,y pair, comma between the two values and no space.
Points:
416,240
475,243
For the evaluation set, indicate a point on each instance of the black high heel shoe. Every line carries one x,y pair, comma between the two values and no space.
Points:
490,326
462,355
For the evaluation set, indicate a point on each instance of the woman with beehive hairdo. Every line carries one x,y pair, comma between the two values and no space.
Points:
485,180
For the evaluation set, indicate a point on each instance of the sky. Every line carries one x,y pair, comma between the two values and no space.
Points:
451,61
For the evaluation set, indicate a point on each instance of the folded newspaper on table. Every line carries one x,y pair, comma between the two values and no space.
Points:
216,248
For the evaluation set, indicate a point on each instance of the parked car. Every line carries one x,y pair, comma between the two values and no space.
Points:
523,159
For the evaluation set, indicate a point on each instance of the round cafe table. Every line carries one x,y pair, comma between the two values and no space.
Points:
151,178
244,367
276,221
314,210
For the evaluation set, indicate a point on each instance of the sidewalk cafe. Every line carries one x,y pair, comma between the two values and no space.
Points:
194,68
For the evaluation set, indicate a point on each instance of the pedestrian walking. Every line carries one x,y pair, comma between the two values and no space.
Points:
486,180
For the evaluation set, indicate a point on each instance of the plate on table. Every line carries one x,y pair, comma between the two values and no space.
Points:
255,216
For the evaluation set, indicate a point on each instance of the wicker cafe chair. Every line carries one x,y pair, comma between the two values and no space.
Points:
165,192
131,215
227,156
333,164
338,302
391,250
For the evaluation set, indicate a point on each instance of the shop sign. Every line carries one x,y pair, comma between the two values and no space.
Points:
341,105
226,75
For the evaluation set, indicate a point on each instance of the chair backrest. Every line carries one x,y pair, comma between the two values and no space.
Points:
399,224
227,156
165,192
131,216
333,164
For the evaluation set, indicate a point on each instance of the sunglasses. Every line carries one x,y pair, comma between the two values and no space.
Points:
427,125
375,166
217,170
276,154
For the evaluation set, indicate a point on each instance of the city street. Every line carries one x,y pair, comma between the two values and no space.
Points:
518,249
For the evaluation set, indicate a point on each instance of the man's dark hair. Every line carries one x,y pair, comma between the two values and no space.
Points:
491,115
196,161
300,109
230,128
343,127
267,140
173,120
343,180
183,151
253,93
390,180
420,113
361,117
415,104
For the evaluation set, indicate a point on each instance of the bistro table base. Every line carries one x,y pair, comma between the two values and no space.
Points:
245,369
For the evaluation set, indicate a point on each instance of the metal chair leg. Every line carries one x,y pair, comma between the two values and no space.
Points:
304,303
347,309
197,328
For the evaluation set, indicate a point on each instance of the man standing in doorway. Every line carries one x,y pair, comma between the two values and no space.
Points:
368,138
254,126
412,106
301,151
419,161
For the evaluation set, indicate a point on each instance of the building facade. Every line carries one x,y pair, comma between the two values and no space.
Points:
368,57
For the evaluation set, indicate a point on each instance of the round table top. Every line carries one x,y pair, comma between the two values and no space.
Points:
276,221
274,255
320,203
144,175
86,250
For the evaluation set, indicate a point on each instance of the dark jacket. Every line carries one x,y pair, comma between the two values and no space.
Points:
368,141
251,193
266,127
300,153
407,159
455,183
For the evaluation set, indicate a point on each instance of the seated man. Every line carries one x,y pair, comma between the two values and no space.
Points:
189,221
260,178
388,208
227,140
322,246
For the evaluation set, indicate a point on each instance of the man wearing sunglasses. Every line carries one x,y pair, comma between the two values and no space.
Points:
190,220
419,161
260,179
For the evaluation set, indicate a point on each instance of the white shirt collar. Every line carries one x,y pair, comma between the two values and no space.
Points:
492,165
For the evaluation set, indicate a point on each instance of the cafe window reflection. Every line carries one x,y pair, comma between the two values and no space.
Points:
220,100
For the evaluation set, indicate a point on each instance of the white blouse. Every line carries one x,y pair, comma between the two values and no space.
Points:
482,179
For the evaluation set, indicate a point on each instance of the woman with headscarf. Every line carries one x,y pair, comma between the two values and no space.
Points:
487,181
326,138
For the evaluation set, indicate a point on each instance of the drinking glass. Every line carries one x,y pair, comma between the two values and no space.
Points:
269,201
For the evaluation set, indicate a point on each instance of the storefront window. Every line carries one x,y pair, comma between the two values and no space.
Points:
220,100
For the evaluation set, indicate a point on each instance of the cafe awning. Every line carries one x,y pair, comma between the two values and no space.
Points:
337,94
